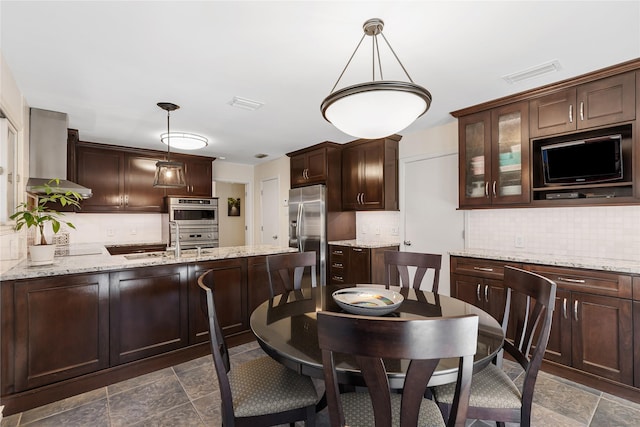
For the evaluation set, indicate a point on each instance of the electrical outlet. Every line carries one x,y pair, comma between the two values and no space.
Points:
377,230
110,232
519,241
394,231
134,231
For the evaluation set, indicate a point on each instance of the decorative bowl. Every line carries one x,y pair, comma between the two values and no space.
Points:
367,301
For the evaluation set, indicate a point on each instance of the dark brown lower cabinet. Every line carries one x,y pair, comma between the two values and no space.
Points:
61,328
149,312
229,284
353,265
595,331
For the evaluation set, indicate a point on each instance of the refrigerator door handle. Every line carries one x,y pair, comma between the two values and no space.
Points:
300,228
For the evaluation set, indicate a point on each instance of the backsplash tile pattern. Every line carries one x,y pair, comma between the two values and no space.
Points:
609,232
379,226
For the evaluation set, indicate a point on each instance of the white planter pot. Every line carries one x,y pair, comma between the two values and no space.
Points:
41,254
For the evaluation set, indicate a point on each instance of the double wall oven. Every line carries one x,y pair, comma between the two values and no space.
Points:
196,219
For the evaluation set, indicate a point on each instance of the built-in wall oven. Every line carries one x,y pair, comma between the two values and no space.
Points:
196,218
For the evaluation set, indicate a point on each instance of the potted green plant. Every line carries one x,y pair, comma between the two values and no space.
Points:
40,213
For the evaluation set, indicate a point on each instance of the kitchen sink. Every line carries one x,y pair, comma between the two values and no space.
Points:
135,249
149,255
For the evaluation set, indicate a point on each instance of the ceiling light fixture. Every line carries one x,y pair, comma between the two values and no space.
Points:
378,108
184,140
169,174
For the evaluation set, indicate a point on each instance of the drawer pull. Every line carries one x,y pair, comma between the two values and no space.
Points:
337,252
568,279
337,264
483,268
357,250
339,278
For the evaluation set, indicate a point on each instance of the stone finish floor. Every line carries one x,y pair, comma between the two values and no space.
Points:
187,395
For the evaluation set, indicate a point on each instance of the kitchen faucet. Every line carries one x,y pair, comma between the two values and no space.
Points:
176,247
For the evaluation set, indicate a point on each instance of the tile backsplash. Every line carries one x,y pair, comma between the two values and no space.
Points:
380,226
609,232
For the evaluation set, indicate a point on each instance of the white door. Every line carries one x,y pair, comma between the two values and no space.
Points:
431,222
269,198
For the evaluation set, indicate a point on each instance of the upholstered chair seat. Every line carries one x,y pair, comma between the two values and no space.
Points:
358,411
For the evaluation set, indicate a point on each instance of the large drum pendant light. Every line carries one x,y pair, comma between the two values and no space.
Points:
379,108
169,174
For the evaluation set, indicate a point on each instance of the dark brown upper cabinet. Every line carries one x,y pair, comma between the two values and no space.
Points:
370,174
494,157
602,102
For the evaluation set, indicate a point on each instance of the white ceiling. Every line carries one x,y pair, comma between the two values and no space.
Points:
107,64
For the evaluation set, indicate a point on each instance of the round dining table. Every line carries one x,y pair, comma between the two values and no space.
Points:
285,328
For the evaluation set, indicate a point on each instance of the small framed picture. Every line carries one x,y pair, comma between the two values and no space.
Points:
234,206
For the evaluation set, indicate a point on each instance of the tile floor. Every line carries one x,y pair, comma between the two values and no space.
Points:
187,395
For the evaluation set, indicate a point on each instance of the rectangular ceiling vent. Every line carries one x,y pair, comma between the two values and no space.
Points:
530,73
245,104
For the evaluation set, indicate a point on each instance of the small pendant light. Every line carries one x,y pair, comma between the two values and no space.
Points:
169,174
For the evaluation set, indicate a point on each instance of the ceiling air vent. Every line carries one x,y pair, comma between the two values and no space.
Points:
530,73
245,104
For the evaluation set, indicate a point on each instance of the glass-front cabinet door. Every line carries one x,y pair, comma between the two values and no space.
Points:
475,159
510,151
494,157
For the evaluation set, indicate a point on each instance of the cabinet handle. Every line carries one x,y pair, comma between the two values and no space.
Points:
564,308
337,252
570,113
357,249
568,279
478,292
486,189
126,200
483,268
486,293
575,310
337,264
582,110
338,278
494,188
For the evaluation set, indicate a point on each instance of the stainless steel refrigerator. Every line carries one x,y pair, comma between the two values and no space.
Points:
308,225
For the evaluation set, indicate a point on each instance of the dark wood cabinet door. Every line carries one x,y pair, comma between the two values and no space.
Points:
139,192
317,166
198,176
602,336
309,168
149,312
257,283
468,289
228,282
102,170
359,266
474,148
495,296
607,101
553,114
559,345
351,165
372,175
61,328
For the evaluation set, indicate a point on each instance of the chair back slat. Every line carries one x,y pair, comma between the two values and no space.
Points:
375,340
219,350
286,271
400,262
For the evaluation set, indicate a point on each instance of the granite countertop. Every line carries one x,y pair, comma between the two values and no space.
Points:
98,259
364,244
603,264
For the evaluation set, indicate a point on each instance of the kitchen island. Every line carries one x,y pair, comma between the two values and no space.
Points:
87,321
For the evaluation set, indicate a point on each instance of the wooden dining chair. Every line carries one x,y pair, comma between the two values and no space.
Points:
421,341
287,270
530,300
401,261
261,392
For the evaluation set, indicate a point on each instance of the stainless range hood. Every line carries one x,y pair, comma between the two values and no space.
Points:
48,152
